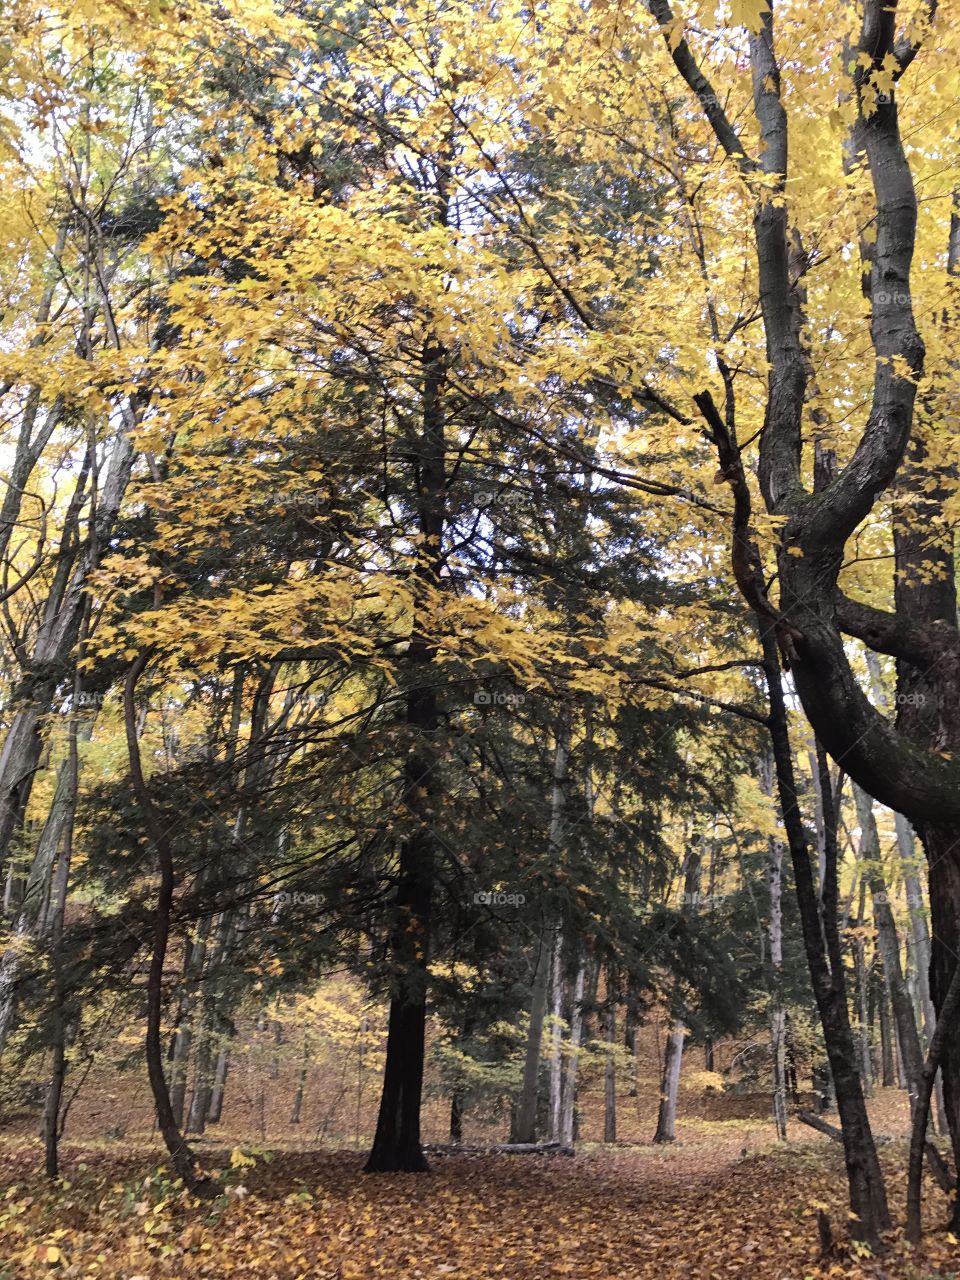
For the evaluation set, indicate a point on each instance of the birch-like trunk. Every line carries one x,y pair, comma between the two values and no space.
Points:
525,1124
670,1084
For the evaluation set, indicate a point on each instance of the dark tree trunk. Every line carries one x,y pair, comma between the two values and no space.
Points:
180,1153
396,1144
911,767
941,847
456,1116
868,1198
301,1083
609,1020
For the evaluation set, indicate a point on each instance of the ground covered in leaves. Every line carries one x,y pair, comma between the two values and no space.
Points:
699,1210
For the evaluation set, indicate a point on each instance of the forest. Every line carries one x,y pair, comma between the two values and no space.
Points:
479,645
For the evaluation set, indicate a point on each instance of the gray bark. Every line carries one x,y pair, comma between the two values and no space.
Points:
526,1114
778,1018
908,1039
670,1085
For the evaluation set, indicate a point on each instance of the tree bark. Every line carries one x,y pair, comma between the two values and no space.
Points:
949,1008
219,1087
778,1017
526,1115
396,1143
911,1054
180,1153
610,1066
569,1092
867,1192
670,1085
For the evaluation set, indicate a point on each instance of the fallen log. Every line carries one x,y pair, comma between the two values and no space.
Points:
815,1122
500,1148
935,1161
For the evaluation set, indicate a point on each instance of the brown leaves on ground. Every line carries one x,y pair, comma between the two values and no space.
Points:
620,1214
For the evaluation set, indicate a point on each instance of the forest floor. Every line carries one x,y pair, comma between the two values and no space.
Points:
724,1201
705,1208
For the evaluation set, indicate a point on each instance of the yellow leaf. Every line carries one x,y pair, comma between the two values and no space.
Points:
748,13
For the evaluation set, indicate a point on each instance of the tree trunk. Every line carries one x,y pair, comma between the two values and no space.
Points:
630,1042
525,1124
888,1075
298,1095
670,1085
569,1091
456,1116
868,1199
778,1017
62,613
557,985
202,1081
219,1087
911,1054
396,1144
941,846
610,1066
35,915
861,980
54,926
946,1022
180,1153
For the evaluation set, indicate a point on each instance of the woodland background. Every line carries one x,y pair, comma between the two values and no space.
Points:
479,668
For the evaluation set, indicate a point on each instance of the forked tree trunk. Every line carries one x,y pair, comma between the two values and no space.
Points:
62,614
941,846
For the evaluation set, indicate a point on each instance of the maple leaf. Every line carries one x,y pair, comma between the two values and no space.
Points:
749,13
